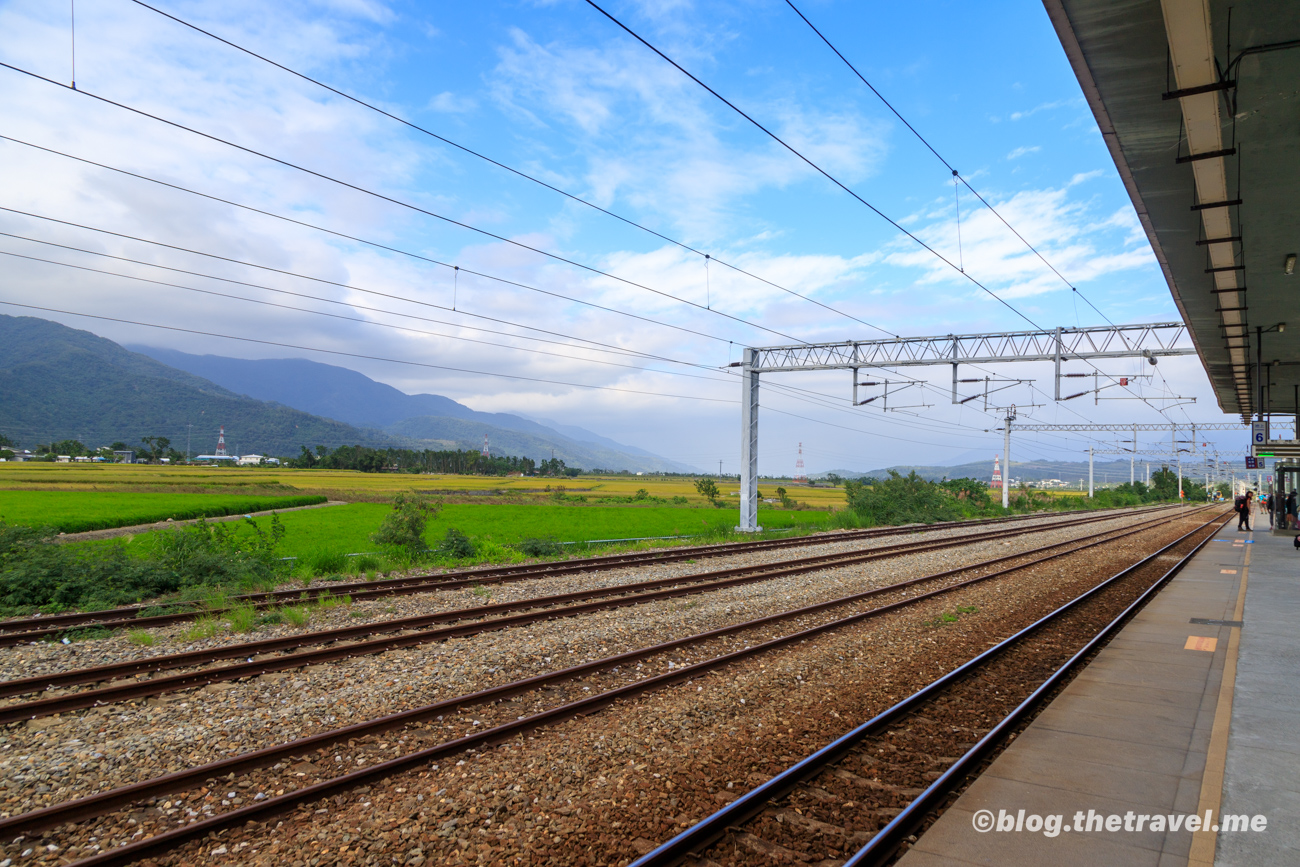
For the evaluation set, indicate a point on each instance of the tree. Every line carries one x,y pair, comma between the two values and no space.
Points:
708,489
403,527
156,447
834,479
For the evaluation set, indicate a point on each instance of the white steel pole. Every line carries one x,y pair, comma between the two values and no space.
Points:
1132,455
1006,461
749,446
1090,471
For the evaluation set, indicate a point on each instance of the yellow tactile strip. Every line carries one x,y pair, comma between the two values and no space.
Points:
1205,841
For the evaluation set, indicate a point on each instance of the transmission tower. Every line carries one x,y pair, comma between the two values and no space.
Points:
799,474
221,442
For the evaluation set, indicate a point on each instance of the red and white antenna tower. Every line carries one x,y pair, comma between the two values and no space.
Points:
221,441
485,448
799,474
997,474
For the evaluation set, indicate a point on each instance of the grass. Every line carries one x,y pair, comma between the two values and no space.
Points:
320,539
951,616
142,637
204,627
347,529
79,511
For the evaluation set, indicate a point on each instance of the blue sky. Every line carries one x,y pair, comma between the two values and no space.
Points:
559,92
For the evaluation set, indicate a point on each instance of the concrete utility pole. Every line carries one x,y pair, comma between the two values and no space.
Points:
1090,471
1148,474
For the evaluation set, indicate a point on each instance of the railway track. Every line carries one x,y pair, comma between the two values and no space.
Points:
348,642
629,684
22,630
861,796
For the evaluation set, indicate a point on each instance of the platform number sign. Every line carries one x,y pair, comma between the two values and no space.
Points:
1259,433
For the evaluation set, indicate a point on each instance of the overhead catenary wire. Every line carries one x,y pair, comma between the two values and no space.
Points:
776,138
804,395
395,201
456,268
956,175
363,356
899,227
518,172
620,350
331,315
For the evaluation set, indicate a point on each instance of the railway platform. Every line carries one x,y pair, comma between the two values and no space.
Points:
1183,712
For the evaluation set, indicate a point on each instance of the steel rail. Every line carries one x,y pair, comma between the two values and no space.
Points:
537,609
95,805
21,630
882,847
696,839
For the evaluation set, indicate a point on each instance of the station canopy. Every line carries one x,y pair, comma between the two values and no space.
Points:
1199,104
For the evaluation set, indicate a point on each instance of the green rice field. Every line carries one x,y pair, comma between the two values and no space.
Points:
79,511
347,529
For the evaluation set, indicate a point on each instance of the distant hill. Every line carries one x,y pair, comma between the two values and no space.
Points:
61,383
1032,471
417,420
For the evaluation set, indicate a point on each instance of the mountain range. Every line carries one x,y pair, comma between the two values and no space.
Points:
60,383
420,420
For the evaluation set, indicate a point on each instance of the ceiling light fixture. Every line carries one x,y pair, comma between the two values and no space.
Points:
1288,268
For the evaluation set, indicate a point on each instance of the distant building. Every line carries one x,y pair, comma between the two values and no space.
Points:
124,457
250,460
215,458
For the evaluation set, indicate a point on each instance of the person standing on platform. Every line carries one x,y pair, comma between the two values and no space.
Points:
1291,521
1242,505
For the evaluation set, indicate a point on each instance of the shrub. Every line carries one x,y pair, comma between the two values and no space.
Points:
295,615
35,572
901,500
546,547
456,545
404,526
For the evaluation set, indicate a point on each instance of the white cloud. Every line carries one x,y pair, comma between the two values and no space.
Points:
652,138
1059,227
1021,151
450,103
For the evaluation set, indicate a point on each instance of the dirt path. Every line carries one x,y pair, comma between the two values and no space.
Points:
144,528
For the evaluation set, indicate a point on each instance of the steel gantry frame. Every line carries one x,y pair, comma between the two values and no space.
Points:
1150,341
